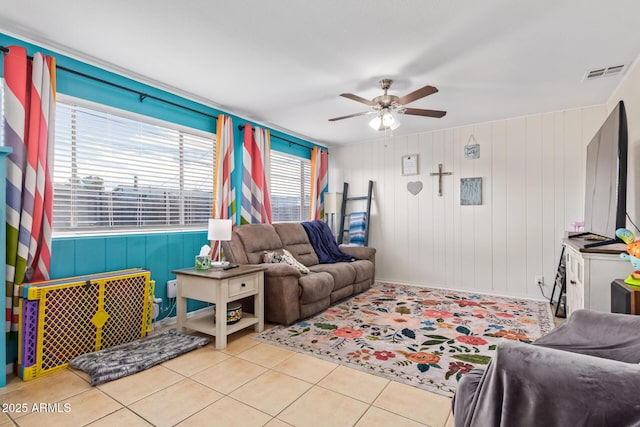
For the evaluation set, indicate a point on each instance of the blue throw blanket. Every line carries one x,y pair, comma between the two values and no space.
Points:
324,244
357,226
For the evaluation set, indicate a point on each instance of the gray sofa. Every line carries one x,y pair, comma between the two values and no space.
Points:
289,294
583,373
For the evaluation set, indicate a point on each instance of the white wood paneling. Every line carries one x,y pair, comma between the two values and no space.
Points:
441,223
533,201
499,238
532,170
426,212
516,209
574,167
482,218
551,248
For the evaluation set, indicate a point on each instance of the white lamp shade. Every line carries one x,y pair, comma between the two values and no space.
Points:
376,123
332,202
387,119
395,124
384,120
219,229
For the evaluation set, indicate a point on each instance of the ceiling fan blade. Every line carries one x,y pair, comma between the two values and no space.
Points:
417,94
421,112
351,115
358,99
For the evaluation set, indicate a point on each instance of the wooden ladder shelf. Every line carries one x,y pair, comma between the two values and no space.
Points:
343,211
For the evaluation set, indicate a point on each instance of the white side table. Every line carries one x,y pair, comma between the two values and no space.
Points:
220,287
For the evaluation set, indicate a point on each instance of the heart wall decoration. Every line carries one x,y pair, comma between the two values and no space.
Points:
414,187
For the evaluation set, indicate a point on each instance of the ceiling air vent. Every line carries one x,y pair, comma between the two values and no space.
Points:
613,70
603,72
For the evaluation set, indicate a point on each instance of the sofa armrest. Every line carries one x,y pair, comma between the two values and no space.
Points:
528,385
360,252
607,335
281,293
280,270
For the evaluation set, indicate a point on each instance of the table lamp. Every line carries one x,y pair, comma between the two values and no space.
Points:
218,230
332,206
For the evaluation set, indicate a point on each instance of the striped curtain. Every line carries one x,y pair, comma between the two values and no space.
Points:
319,183
255,207
29,118
224,197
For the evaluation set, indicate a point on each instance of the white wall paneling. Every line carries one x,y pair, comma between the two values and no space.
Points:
532,171
628,91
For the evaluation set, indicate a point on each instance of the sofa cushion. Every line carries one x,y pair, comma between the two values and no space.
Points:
294,239
343,273
315,286
257,238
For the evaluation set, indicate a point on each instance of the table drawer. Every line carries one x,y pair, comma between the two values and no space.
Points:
243,285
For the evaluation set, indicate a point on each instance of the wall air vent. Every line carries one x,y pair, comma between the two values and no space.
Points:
604,72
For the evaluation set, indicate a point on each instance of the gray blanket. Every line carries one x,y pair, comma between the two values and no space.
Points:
584,373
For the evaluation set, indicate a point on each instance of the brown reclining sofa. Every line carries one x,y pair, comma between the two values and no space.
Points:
290,295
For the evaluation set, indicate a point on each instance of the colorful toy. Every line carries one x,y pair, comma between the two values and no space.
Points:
632,255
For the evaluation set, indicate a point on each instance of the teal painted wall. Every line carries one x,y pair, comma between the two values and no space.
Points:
158,252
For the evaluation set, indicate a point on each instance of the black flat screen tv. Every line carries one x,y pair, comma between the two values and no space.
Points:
606,180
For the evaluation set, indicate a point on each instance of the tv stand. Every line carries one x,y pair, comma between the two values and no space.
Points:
589,272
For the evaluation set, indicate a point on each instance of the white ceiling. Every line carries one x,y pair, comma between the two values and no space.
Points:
283,63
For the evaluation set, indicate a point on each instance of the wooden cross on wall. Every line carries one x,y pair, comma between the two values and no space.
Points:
440,174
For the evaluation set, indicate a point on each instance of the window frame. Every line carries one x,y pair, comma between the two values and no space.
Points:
305,188
148,120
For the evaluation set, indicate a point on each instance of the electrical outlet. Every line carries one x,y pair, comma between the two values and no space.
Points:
157,302
156,311
172,288
540,281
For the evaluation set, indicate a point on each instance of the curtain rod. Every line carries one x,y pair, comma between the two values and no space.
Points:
241,127
141,95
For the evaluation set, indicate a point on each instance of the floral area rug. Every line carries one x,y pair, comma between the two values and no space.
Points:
425,337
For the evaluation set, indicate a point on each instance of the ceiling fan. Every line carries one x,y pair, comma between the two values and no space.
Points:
385,104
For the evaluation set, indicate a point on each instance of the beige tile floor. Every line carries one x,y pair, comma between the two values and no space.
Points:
247,384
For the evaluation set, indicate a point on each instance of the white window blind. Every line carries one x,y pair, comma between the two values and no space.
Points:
118,172
290,187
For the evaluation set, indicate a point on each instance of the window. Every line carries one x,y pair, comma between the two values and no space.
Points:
118,171
290,187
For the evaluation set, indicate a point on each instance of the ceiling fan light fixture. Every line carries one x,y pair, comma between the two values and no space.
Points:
383,121
376,123
385,104
389,121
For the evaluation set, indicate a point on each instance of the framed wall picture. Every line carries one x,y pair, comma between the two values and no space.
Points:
472,151
410,164
470,191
